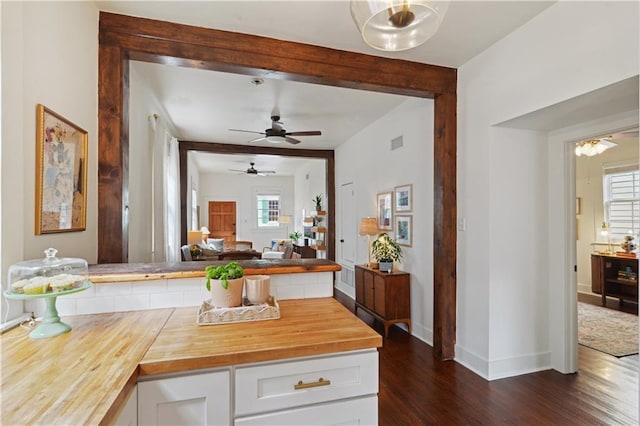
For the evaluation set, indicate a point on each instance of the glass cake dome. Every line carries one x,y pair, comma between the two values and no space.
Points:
49,275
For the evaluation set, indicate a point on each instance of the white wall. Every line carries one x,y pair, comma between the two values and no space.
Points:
49,56
589,187
367,160
242,189
310,180
510,301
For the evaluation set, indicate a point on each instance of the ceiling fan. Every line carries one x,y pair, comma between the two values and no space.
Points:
253,171
277,133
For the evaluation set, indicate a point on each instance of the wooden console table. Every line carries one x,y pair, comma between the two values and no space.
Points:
386,296
607,280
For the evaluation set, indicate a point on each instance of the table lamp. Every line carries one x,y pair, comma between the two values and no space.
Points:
369,227
194,238
286,220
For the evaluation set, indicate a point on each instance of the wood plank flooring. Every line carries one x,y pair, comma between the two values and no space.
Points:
417,389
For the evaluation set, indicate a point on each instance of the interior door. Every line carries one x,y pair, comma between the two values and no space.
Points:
348,231
222,220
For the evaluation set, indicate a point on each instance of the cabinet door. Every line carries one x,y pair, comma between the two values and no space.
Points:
199,399
359,285
379,284
596,273
368,290
363,411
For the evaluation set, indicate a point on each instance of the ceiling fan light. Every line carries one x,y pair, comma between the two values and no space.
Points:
396,25
593,147
275,139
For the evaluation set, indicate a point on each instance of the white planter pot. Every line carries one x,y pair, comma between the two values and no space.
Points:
227,298
386,266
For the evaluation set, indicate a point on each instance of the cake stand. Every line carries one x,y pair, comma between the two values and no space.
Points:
51,324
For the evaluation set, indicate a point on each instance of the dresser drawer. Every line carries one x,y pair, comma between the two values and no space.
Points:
361,411
276,386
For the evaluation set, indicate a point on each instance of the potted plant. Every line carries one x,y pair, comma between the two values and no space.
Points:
295,236
228,283
318,202
386,251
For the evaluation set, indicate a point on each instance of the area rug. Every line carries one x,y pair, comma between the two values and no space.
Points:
606,330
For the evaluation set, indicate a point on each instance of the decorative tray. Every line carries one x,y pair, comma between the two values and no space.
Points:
210,315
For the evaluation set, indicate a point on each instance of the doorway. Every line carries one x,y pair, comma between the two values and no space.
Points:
222,220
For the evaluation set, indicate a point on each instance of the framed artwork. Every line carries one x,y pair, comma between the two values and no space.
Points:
404,198
404,230
385,213
61,174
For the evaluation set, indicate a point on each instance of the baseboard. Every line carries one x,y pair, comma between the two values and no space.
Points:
422,333
346,289
502,368
584,288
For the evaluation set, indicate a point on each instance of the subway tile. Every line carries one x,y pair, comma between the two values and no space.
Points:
165,300
186,284
156,286
114,289
95,305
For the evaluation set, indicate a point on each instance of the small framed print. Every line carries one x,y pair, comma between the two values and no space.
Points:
404,230
61,174
385,211
404,198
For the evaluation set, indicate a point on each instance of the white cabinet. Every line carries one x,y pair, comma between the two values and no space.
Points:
361,411
129,414
197,399
334,389
324,390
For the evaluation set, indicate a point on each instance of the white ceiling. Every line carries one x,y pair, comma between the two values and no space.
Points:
203,105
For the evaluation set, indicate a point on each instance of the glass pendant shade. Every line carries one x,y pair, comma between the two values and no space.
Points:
396,25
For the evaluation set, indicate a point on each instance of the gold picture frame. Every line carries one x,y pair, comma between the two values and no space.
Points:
404,230
61,174
403,198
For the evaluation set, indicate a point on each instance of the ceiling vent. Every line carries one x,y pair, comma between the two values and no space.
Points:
396,143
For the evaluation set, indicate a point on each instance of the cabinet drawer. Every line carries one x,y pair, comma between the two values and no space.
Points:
271,387
362,411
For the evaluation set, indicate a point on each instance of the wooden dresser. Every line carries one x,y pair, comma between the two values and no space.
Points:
614,276
386,296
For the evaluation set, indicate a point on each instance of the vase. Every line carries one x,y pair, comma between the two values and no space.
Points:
229,297
257,288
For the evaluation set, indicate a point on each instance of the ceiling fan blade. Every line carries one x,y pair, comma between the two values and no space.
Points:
261,139
266,172
236,170
307,133
291,140
247,131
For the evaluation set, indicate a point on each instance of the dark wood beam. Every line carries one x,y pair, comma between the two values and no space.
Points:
123,37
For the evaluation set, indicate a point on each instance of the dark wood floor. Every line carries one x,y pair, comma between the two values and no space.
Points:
417,389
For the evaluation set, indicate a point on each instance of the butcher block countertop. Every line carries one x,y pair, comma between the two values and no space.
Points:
119,272
85,376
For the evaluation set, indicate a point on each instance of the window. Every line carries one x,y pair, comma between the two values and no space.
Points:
268,210
194,209
621,195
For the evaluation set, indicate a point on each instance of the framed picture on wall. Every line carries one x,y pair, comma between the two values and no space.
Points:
385,211
404,198
61,174
404,230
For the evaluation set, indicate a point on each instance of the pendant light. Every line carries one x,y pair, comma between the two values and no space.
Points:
396,25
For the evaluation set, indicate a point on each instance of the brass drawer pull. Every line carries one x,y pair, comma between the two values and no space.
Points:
320,382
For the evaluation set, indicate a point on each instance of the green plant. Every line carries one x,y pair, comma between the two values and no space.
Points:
295,235
318,201
223,273
384,249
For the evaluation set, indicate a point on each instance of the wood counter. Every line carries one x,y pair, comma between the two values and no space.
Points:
118,272
83,377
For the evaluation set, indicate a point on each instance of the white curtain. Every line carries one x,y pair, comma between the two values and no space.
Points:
172,200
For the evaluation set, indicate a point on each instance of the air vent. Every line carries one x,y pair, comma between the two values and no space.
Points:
396,143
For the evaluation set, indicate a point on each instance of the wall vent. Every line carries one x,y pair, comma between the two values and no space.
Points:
396,143
347,276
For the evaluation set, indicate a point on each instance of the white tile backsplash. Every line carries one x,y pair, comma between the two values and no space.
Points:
169,293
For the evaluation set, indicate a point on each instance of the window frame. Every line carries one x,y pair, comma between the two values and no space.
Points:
608,199
256,211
